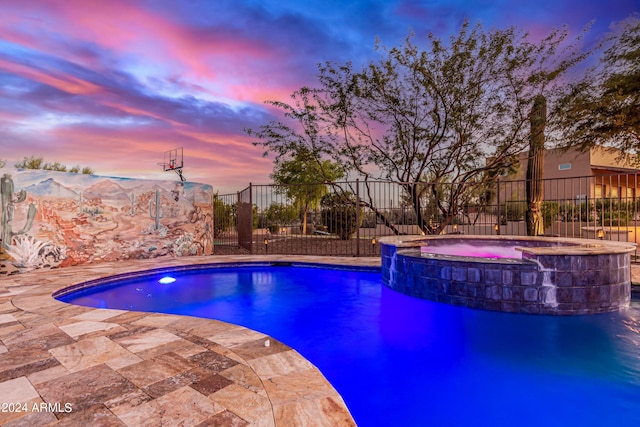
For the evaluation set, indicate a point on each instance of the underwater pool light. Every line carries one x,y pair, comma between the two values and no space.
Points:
166,280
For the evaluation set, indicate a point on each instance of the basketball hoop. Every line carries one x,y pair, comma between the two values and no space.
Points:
173,161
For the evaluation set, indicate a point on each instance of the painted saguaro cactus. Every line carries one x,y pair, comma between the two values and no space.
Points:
159,210
132,212
9,199
535,167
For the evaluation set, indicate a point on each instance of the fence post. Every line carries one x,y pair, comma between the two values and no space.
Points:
251,216
238,233
213,224
498,219
357,217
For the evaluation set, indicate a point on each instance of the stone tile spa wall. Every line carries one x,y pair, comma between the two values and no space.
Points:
563,278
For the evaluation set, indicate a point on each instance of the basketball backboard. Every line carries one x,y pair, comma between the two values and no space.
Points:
173,161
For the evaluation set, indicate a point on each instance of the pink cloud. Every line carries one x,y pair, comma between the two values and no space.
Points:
10,116
139,112
127,28
66,83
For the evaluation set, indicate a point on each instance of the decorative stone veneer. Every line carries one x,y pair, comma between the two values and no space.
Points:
554,276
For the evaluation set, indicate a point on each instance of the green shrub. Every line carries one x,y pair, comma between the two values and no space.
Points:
338,212
512,211
280,214
274,228
222,216
550,212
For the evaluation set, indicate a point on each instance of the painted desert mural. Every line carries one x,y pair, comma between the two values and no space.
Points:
57,219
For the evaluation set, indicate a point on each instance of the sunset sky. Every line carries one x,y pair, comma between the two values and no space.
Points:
112,84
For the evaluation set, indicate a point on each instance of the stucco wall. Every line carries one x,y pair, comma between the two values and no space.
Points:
57,219
581,163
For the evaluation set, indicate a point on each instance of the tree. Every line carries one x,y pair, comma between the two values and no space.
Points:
85,170
456,113
55,166
279,214
34,162
305,134
603,107
303,179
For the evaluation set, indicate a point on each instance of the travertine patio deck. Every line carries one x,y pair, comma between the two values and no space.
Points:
69,365
104,367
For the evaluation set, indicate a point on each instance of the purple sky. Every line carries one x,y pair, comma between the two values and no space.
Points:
112,84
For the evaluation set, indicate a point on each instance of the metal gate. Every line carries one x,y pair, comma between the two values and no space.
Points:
245,219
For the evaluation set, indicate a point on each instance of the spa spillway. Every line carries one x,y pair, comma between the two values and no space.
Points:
537,275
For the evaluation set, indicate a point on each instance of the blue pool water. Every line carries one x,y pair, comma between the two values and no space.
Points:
403,361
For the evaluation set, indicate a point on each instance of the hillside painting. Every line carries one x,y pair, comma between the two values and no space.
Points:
57,219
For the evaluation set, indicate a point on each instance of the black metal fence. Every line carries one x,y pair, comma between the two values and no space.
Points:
347,218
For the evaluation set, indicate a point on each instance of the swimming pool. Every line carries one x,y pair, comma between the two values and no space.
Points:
399,360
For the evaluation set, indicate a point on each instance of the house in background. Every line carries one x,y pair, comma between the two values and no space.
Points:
585,194
576,175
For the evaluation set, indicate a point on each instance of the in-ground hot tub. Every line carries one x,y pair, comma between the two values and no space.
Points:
541,275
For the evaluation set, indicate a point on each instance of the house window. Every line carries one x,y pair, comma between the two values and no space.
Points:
598,191
631,192
564,166
614,192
